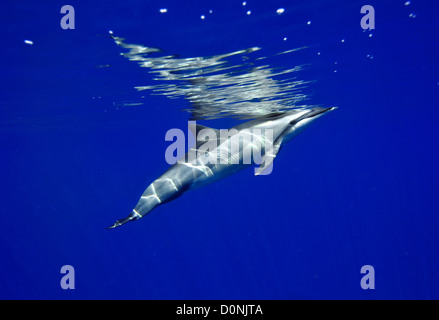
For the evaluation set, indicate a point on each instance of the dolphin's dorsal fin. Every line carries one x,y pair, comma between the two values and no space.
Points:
199,127
196,128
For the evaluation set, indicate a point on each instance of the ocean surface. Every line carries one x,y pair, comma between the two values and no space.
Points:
80,141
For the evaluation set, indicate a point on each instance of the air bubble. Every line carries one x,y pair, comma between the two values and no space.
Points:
280,11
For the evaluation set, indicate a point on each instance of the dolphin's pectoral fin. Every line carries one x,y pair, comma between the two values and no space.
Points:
271,152
266,166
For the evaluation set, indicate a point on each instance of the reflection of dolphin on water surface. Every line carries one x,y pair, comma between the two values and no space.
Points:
219,89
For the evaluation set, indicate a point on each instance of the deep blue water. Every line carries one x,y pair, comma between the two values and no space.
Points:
358,187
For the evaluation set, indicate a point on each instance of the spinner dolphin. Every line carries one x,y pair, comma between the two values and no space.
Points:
217,89
193,173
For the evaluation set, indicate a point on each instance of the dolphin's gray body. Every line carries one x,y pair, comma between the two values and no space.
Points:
190,174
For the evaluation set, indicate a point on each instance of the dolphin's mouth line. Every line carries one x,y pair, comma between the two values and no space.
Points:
315,113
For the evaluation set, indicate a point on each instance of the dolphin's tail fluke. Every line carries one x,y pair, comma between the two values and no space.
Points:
133,216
